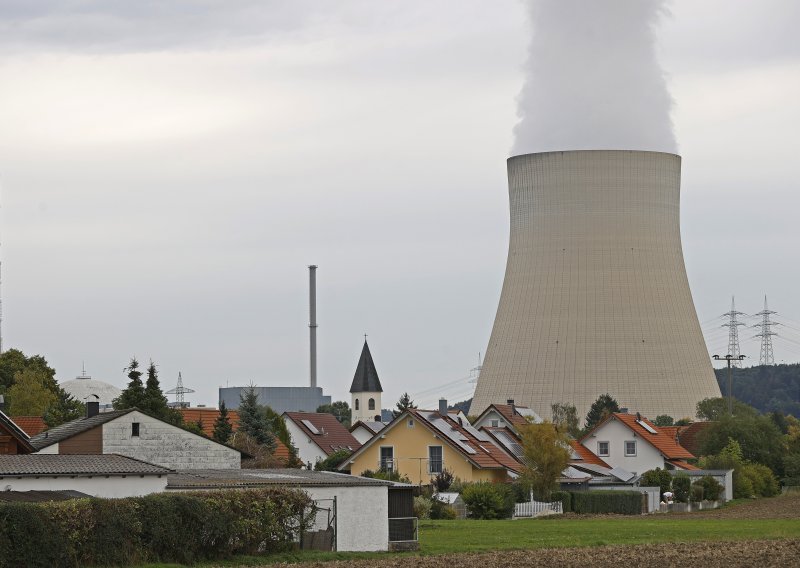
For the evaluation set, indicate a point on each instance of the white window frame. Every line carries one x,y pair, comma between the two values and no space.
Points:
391,464
630,455
600,453
430,460
495,423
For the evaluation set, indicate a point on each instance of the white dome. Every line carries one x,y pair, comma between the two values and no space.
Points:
83,387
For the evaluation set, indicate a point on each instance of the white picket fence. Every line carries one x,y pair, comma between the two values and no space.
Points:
535,508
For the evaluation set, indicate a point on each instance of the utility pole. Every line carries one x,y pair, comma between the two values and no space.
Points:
766,356
729,358
733,331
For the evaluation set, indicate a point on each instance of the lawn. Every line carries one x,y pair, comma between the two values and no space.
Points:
445,537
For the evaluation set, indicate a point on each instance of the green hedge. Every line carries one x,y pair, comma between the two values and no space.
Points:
175,527
566,500
621,502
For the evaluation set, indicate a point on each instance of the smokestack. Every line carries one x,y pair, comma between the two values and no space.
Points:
443,406
312,325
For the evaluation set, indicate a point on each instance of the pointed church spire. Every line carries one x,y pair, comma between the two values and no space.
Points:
366,377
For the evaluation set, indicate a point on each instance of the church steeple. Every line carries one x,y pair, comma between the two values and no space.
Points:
366,389
366,377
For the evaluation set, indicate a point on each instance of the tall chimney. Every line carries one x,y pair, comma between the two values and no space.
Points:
312,325
92,408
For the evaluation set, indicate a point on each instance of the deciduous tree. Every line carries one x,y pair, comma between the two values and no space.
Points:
340,409
545,456
30,394
565,418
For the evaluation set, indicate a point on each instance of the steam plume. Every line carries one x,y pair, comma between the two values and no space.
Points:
593,80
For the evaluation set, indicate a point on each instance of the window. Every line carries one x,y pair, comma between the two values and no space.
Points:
630,448
495,423
387,458
135,429
371,404
602,449
410,422
356,404
434,459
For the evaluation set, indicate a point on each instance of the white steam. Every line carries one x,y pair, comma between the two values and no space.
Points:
593,80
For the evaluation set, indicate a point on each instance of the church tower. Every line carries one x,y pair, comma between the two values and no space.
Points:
366,390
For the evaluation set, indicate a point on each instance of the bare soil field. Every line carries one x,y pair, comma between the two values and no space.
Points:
783,507
708,555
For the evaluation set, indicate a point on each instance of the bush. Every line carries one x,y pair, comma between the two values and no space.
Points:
696,494
657,477
441,510
422,507
681,485
443,480
184,528
566,500
488,501
761,479
333,461
621,502
712,489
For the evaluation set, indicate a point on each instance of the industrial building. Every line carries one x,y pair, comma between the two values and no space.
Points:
596,298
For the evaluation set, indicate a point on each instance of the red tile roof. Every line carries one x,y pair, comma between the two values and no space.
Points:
31,425
681,464
331,434
509,412
586,455
664,443
689,435
209,415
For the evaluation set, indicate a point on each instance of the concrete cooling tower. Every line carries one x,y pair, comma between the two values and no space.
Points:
595,297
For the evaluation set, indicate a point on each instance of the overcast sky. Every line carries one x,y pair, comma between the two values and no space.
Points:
169,169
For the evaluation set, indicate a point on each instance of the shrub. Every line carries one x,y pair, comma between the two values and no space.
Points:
441,510
621,502
185,528
422,507
657,477
488,501
696,494
681,485
762,479
333,461
566,500
443,480
712,489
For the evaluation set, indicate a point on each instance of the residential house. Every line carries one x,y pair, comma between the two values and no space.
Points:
207,417
420,444
13,440
363,431
635,444
502,415
317,435
134,434
31,425
361,507
106,475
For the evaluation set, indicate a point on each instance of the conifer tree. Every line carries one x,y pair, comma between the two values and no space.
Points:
154,402
253,419
602,407
222,425
133,395
405,403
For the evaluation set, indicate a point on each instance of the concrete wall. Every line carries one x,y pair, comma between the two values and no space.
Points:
280,399
307,450
97,486
595,297
616,433
165,445
362,516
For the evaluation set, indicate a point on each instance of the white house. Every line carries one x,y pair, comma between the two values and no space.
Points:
317,435
98,475
506,415
134,434
364,431
361,504
635,444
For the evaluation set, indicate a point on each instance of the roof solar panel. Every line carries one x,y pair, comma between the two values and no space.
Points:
646,426
482,436
310,426
450,432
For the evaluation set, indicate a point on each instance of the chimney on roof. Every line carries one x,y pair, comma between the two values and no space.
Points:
510,402
638,416
377,418
93,406
443,406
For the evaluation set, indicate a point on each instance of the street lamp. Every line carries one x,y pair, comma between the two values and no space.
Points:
729,358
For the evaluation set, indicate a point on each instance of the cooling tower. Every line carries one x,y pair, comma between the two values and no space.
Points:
595,297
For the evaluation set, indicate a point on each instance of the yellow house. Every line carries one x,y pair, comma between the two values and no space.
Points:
421,443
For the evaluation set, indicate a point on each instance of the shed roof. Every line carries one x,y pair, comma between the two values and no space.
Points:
225,478
81,465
